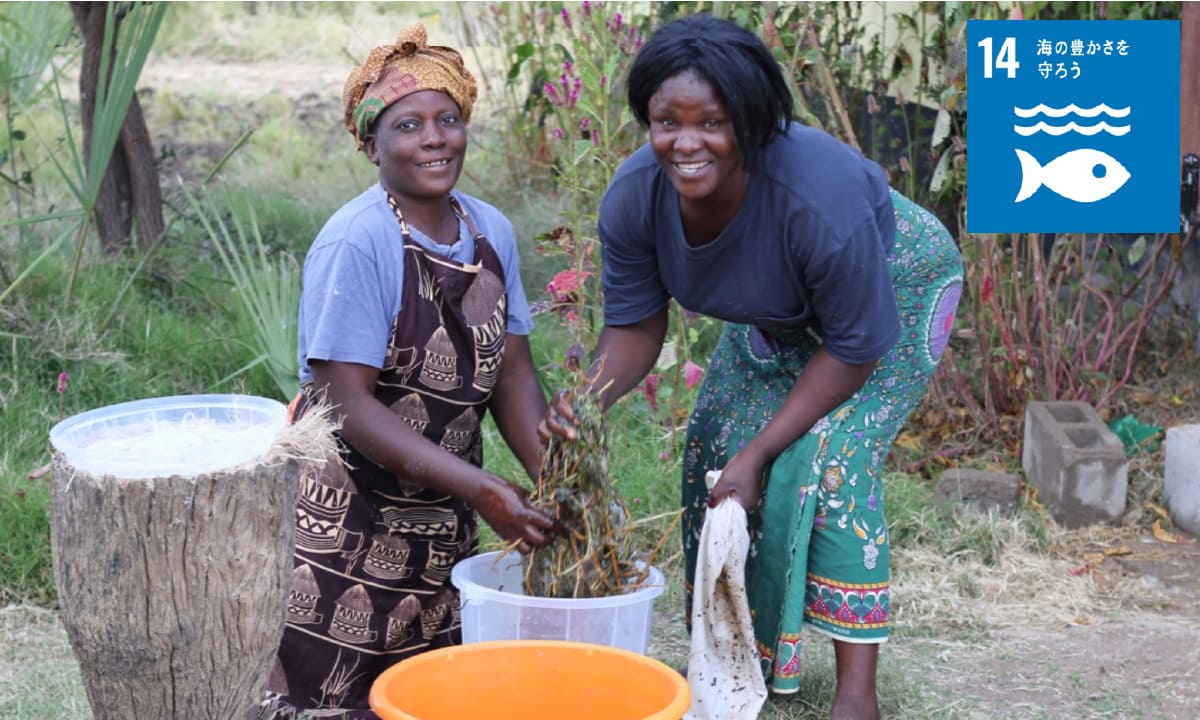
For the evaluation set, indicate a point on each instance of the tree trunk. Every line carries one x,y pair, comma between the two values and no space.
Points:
173,590
130,189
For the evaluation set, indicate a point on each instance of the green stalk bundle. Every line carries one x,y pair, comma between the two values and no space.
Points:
593,556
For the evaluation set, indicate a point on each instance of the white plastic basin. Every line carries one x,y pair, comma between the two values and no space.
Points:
494,607
179,435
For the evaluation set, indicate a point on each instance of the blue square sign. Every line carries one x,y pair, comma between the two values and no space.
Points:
1073,126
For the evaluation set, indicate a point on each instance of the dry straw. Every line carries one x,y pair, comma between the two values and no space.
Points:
594,554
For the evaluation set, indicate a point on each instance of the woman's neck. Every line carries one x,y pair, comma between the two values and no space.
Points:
435,217
705,219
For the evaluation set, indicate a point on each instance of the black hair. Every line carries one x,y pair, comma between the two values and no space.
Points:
733,60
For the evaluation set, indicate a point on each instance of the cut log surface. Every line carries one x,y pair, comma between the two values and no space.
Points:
173,590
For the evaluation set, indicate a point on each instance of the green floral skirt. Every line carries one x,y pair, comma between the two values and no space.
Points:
819,543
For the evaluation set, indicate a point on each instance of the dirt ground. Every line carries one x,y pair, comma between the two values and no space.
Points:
1135,656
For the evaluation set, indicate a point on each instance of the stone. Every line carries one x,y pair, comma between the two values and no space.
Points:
1181,484
984,490
1075,462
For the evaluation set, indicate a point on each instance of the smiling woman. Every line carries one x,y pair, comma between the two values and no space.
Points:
838,295
413,324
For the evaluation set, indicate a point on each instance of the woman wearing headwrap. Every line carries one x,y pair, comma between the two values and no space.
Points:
413,324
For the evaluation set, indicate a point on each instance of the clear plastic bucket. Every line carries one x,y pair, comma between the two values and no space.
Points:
494,607
179,435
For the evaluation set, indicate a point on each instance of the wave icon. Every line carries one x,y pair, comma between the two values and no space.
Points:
1084,175
1042,108
1056,130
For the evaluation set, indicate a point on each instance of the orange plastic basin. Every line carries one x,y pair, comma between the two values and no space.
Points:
530,679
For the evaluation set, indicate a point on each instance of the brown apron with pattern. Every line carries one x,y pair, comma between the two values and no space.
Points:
373,551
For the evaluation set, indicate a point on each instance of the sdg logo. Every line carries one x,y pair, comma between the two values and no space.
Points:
1073,126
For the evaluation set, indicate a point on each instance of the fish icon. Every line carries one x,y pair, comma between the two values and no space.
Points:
1084,175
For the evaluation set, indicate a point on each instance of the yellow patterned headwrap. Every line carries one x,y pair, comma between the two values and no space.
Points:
393,71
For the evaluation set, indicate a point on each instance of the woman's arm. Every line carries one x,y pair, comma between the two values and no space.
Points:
824,384
387,440
519,403
623,356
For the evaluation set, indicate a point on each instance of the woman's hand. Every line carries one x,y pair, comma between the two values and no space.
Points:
742,479
505,507
560,419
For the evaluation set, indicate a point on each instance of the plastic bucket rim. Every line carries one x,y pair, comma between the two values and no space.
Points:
60,431
679,705
653,587
69,436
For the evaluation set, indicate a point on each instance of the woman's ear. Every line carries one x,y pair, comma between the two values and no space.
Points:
371,149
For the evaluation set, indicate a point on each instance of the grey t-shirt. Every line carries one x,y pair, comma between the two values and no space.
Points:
354,272
807,249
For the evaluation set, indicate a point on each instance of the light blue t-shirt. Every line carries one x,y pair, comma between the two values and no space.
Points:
354,272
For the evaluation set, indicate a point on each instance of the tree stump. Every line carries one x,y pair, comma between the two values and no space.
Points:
173,589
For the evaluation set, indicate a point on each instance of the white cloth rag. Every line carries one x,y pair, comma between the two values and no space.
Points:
724,673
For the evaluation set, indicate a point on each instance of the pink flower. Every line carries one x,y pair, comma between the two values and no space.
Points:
63,377
1016,12
566,16
692,374
563,286
988,286
558,133
650,389
584,123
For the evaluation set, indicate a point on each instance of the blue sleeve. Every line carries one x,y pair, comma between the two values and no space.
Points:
346,310
633,288
852,294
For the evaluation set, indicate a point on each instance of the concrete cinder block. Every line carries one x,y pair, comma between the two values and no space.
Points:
1076,463
982,489
1181,485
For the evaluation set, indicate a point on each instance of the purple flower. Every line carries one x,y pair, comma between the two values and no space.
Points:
575,356
558,133
566,16
584,123
587,8
63,377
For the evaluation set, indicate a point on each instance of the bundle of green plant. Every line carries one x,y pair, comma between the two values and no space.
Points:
592,557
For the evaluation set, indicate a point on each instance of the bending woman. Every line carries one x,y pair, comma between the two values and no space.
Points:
413,324
838,295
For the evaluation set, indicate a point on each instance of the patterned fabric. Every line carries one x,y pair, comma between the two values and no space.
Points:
393,71
374,552
819,552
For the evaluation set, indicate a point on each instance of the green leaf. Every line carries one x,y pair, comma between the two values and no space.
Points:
1137,250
